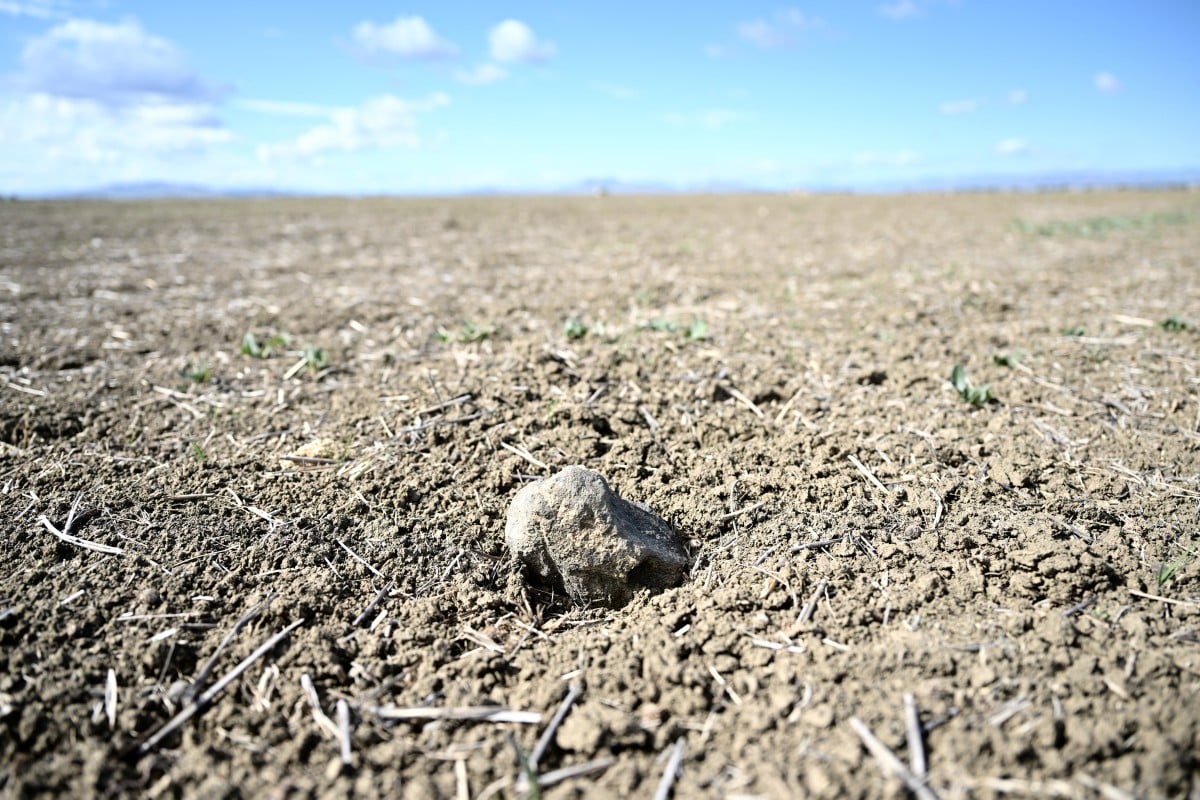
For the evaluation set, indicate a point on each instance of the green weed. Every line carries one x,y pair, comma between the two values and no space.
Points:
697,330
1007,359
534,791
662,325
975,395
251,346
1170,569
1173,324
198,453
1075,330
196,372
1098,227
315,358
574,328
467,333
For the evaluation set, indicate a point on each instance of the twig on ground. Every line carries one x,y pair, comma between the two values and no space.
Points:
1141,322
674,763
468,713
453,401
1074,530
547,736
95,547
1051,788
1081,606
203,700
516,449
307,459
799,548
110,698
202,676
360,559
937,515
173,398
417,427
343,719
1010,710
650,420
379,597
746,401
811,606
1161,599
912,729
743,510
1106,790
783,412
888,763
314,702
866,473
566,773
482,639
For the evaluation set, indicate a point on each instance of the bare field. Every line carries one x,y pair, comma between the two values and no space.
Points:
256,458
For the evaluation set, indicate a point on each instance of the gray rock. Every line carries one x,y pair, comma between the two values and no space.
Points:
571,529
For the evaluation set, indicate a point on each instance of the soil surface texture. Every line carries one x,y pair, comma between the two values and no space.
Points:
256,458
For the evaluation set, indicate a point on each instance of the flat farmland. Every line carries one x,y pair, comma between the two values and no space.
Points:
256,457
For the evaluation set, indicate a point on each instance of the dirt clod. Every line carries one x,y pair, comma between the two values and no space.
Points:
572,529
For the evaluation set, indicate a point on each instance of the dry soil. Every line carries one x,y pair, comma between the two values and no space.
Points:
771,374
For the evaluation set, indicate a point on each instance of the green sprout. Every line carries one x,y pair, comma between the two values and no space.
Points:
251,346
534,790
196,372
1075,330
975,395
697,331
198,453
1173,324
468,333
315,358
662,325
1099,227
1173,567
1007,359
575,328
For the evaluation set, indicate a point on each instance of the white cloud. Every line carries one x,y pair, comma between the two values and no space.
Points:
385,122
481,75
38,9
1106,82
953,108
760,34
512,41
90,92
902,9
1013,147
65,129
784,30
112,64
1017,97
284,108
709,119
404,37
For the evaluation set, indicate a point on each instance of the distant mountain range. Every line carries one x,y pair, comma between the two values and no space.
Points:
161,190
158,190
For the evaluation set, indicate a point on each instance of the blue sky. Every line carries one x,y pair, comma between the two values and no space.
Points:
374,97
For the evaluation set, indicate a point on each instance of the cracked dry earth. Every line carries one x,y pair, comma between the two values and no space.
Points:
1018,578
